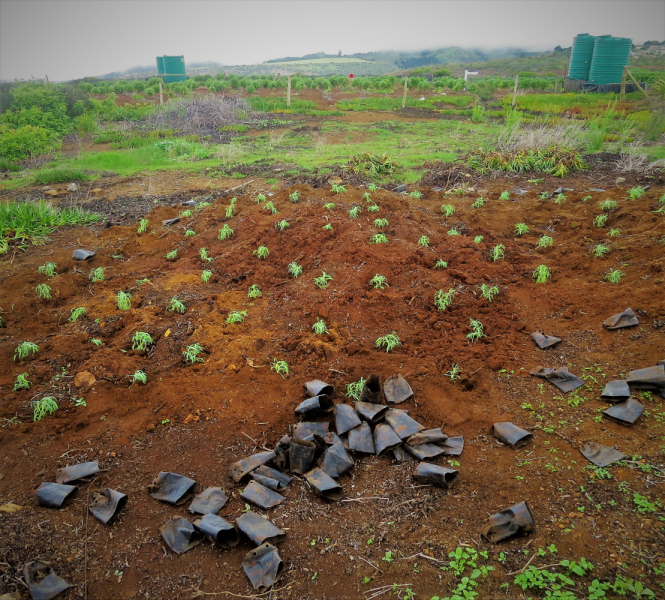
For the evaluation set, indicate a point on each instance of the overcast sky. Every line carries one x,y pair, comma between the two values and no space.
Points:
67,39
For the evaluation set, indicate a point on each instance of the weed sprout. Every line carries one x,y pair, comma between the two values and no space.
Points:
190,233
600,250
600,220
176,306
498,252
24,349
236,316
544,241
416,194
454,372
225,232
441,264
281,367
355,389
328,227
614,232
504,196
295,196
191,353
448,210
381,223
479,203
479,239
261,252
143,226
141,341
76,313
354,212
139,377
337,188
389,342
320,327
294,269
96,275
123,300
477,330
43,291
329,206
443,300
95,342
322,281
379,282
254,292
206,275
373,209
541,274
142,281
172,255
453,231
614,275
43,407
378,238
608,205
22,382
49,269
521,229
424,241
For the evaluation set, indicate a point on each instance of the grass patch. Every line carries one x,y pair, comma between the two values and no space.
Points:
388,103
60,175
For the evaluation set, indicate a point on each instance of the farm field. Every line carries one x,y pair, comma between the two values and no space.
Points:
283,179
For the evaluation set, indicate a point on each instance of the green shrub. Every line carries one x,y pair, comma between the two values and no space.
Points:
19,143
60,175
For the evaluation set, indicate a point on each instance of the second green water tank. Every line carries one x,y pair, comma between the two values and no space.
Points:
580,56
610,56
174,68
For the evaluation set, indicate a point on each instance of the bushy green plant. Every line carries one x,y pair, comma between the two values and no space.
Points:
389,342
379,282
141,341
441,264
176,305
236,316
614,275
320,327
295,196
49,269
378,238
203,254
271,207
261,252
281,367
608,205
43,291
191,353
479,203
541,274
374,208
260,198
560,199
225,232
544,241
190,233
477,330
123,300
600,250
254,292
614,232
498,252
489,291
24,349
424,241
43,407
355,389
635,193
323,281
172,255
443,300
22,382
453,231
504,196
139,377
206,275
478,239
354,213
337,188
448,210
294,269
76,313
96,275
416,194
282,225
143,226
521,229
381,223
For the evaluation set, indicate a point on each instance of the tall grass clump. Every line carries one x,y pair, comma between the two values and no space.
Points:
60,175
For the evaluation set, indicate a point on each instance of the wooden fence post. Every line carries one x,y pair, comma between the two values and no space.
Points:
639,87
404,96
517,78
161,95
622,95
288,91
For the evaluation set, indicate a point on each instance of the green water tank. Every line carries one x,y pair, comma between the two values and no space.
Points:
610,56
580,56
160,65
173,68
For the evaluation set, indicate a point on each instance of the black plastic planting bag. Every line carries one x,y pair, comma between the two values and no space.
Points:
335,460
314,407
54,495
625,413
172,488
180,535
544,341
372,390
42,581
76,472
317,387
510,522
427,436
211,500
361,439
599,455
260,495
615,391
385,438
511,434
371,412
106,504
263,566
247,465
346,418
324,485
623,319
258,529
402,423
217,530
560,378
396,389
439,476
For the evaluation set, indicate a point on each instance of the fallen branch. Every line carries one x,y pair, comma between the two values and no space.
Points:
423,556
199,591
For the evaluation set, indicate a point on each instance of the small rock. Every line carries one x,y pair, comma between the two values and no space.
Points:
97,192
51,193
619,180
167,333
150,427
232,368
84,380
189,418
72,187
10,508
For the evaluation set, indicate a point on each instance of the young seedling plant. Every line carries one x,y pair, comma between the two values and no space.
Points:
479,239
225,232
541,274
43,407
477,330
614,275
608,205
416,194
320,327
49,269
521,229
76,313
96,275
138,377
24,349
372,187
229,212
203,253
614,232
504,196
323,281
381,223
327,227
441,264
424,241
294,269
498,252
172,255
22,382
378,238
295,196
479,203
635,193
236,316
448,210
206,276
355,389
43,291
453,231
379,282
254,292
123,300
282,225
191,353
367,198
176,305
337,188
489,291
271,207
141,341
330,206
260,198
261,252
190,233
143,226
560,198
600,220
280,367
443,300
544,241
600,250
454,373
354,213
389,342
374,208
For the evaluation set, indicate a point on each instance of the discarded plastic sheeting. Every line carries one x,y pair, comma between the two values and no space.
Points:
281,459
599,455
324,485
511,434
172,488
400,189
306,431
623,319
519,191
318,387
361,439
651,378
400,454
54,495
272,484
76,472
616,391
346,418
331,438
515,520
42,582
560,377
385,438
371,412
81,254
260,495
106,504
372,390
258,529
402,423
211,500
424,451
302,454
427,436
247,465
167,222
335,461
275,475
263,566
625,413
180,535
439,476
396,389
314,407
453,446
544,341
217,530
